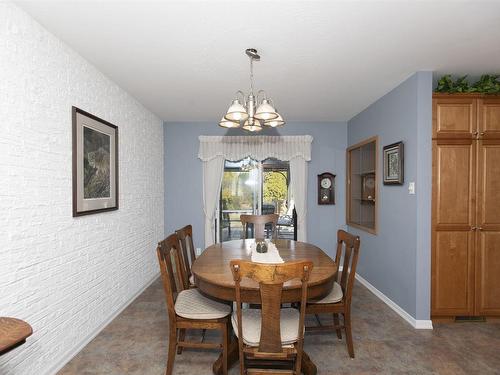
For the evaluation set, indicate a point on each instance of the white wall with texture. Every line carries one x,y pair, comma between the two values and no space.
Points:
67,276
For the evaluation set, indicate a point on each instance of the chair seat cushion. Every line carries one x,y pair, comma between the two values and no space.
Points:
289,325
334,296
191,304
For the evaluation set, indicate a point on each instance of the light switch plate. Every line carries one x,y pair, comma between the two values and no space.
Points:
411,188
198,251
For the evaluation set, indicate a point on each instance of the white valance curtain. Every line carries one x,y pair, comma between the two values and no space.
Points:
214,150
258,147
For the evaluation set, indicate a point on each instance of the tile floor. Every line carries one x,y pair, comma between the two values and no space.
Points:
136,343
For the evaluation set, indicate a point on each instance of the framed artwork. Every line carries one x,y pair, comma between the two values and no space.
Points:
394,164
95,164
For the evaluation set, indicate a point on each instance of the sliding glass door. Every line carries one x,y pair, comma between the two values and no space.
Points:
252,187
239,195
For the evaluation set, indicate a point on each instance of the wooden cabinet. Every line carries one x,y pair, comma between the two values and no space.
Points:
454,217
454,118
489,118
487,260
362,185
466,206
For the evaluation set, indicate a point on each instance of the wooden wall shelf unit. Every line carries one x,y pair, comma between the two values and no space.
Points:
465,206
362,185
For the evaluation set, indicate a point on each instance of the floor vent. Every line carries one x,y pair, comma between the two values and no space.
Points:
477,319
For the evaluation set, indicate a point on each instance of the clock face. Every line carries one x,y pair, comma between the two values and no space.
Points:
326,183
370,183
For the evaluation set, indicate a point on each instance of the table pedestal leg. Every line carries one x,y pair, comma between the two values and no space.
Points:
308,366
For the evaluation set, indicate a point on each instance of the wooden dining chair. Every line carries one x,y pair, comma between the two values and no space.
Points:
273,335
338,301
260,224
185,235
188,308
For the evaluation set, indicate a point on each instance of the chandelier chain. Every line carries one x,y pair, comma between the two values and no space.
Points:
251,75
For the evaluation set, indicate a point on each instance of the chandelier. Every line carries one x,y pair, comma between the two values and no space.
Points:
251,112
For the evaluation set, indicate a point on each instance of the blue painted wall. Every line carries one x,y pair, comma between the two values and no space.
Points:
183,176
424,194
397,260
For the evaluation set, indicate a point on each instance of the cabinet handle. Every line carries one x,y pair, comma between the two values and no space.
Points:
481,134
480,228
473,228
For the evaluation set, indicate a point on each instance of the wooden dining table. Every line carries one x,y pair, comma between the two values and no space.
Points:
213,277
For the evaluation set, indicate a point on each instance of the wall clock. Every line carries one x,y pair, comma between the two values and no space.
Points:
368,188
326,188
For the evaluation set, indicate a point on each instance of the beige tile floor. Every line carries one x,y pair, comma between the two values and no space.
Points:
136,343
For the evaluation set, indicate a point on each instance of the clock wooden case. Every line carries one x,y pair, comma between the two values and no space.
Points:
326,188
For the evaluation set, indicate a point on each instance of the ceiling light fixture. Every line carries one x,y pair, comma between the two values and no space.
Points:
251,112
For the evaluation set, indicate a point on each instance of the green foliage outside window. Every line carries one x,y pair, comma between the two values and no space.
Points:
275,188
237,193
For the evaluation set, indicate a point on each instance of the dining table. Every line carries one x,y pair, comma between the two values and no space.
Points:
213,277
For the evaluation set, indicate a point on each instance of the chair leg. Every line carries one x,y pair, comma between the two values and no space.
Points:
225,347
172,343
348,334
241,357
298,359
318,320
203,332
182,336
336,322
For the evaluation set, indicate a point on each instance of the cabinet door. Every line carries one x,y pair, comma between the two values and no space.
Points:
489,118
453,217
488,234
454,118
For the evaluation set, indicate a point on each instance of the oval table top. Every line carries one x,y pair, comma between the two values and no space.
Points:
213,275
13,332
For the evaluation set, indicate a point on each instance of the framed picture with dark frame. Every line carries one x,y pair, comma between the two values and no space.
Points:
394,164
95,164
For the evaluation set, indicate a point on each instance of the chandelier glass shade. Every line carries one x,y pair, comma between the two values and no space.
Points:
249,111
274,123
236,112
252,125
228,124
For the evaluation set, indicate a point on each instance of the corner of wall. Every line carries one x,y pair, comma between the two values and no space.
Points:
424,194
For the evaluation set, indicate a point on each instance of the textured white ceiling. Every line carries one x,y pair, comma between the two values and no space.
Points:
321,61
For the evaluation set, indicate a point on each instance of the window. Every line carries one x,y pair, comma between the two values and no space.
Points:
259,188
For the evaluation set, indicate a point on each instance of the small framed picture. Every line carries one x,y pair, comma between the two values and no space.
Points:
394,164
95,164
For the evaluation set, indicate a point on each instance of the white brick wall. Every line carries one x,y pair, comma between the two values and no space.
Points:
66,276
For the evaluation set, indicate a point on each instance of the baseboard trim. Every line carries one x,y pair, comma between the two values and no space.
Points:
68,356
417,324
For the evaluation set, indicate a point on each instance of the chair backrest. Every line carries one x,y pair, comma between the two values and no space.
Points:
259,224
172,270
185,235
348,250
271,278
